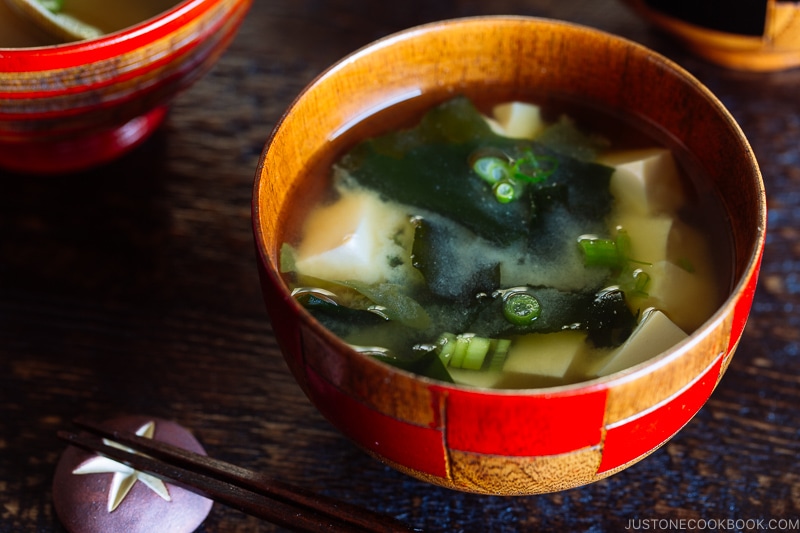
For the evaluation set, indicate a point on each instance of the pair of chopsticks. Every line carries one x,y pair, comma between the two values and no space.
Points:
275,501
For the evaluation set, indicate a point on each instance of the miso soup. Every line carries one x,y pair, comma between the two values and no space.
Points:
17,31
517,243
110,17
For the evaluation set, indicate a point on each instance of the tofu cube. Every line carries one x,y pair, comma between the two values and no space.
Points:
483,379
545,354
654,334
690,297
352,239
645,180
649,236
518,120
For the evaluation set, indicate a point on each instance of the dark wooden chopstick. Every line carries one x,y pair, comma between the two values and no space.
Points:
278,502
244,478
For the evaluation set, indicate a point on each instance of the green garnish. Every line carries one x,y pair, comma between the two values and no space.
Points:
492,169
456,177
600,252
615,254
504,191
54,6
504,175
50,16
521,308
534,169
499,353
470,351
431,166
612,253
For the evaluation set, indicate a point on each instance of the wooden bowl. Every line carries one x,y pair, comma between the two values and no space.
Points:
501,441
753,36
69,107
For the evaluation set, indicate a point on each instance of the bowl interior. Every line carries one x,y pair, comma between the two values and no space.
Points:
508,57
22,28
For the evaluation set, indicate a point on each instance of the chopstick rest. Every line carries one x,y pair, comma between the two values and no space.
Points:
155,461
93,494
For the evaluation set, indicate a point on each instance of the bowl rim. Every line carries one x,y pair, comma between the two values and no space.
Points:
739,285
69,54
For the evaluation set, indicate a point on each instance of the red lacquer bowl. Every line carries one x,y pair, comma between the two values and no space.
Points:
490,441
69,107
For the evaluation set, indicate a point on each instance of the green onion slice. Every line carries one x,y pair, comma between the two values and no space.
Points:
521,308
600,252
492,169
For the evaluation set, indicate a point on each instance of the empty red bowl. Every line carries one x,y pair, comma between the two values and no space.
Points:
72,106
507,441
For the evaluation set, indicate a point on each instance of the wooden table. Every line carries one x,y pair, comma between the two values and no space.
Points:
133,289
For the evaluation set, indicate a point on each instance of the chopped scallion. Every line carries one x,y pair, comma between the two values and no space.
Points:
504,191
477,348
507,177
499,351
521,308
459,352
470,351
534,169
54,6
446,346
600,252
492,169
623,242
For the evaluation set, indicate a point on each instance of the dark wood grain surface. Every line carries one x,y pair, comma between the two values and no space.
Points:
133,289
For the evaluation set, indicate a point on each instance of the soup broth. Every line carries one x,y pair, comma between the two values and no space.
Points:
110,17
517,242
16,31
19,32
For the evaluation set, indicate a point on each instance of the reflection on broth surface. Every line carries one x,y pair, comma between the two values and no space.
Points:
509,246
17,31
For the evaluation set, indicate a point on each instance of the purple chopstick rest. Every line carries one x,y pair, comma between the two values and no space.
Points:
94,494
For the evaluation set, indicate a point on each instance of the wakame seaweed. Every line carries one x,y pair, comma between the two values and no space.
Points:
428,167
434,253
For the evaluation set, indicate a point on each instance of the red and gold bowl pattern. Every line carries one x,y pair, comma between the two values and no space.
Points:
495,441
70,107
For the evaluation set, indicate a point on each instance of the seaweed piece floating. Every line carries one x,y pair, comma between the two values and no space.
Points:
456,250
431,167
558,310
437,248
609,320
